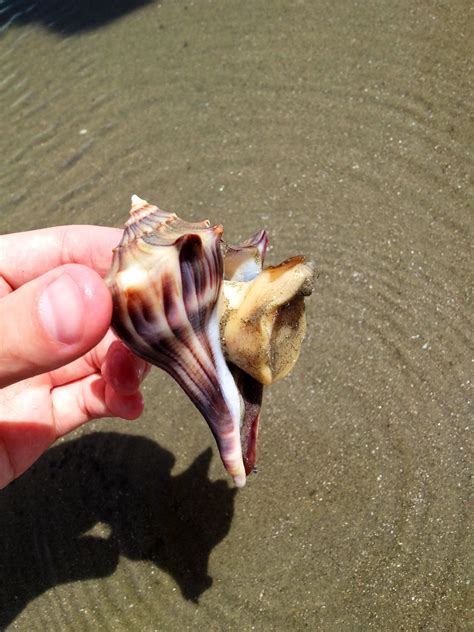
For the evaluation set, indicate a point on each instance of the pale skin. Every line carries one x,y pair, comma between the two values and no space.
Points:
60,364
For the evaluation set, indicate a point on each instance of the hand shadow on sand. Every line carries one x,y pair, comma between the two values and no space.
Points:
125,482
66,16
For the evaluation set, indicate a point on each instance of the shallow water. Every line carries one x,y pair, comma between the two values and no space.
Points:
345,129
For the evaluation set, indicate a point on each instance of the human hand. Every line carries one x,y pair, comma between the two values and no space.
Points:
60,364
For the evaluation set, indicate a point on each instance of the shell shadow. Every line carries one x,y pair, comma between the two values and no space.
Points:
67,17
123,482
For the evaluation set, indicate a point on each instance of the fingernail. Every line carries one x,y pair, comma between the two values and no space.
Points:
61,310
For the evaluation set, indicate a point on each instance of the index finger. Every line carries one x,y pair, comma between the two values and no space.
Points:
25,256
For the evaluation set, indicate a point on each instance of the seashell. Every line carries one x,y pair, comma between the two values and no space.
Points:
208,314
245,261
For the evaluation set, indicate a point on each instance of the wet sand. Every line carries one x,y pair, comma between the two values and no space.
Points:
346,130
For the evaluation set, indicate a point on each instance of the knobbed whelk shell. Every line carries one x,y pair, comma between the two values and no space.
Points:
208,314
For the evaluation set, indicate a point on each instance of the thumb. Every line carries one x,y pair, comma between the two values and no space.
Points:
51,321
